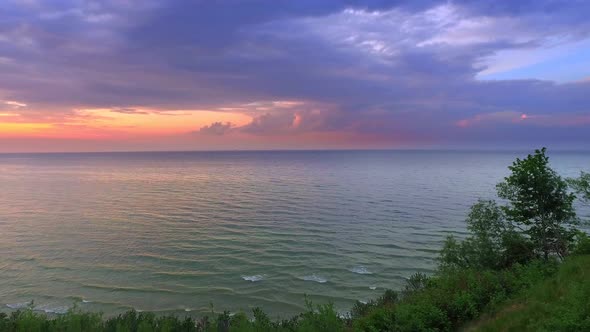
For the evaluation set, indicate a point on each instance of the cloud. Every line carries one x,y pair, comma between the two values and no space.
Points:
129,111
491,118
384,69
270,123
14,104
216,129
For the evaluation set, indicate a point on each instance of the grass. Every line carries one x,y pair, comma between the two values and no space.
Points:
558,303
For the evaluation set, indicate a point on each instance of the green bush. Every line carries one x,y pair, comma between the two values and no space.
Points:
582,244
320,318
581,185
449,299
419,317
556,303
493,243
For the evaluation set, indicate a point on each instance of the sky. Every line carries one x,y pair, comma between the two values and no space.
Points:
126,75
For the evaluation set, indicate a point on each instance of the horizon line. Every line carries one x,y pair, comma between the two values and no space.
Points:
466,149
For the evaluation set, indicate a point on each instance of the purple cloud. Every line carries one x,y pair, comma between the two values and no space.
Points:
216,128
379,68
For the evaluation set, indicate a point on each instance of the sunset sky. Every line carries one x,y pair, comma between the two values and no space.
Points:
118,75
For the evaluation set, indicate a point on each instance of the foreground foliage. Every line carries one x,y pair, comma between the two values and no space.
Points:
448,300
560,303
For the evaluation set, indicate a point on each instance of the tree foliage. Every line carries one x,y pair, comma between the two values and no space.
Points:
494,243
582,185
536,220
539,204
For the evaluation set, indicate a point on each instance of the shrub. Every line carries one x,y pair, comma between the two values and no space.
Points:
581,185
417,282
360,309
320,318
420,317
582,244
493,243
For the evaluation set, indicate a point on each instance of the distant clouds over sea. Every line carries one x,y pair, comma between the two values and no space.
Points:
183,75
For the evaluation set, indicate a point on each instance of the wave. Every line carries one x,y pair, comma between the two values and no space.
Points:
360,270
254,278
55,310
190,274
18,305
372,287
131,289
82,300
315,278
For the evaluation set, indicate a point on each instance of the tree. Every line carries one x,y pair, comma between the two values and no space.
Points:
494,243
483,249
539,204
582,185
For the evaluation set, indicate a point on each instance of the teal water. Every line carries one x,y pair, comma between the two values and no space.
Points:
177,232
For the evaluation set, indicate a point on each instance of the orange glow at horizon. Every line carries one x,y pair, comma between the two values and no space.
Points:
162,123
108,123
19,128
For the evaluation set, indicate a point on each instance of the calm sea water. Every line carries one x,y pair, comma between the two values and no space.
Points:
177,232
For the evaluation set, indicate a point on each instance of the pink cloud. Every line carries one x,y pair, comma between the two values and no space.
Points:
496,117
541,120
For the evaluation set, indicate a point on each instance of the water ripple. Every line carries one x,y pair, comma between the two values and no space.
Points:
178,231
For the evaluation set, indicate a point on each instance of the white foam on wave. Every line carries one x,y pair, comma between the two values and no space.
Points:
187,309
253,278
372,287
86,301
315,278
18,305
360,270
54,310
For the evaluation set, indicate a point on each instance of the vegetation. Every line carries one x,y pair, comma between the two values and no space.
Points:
523,267
494,244
539,204
559,303
582,186
448,300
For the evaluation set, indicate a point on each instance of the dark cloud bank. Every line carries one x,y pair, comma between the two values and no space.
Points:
383,68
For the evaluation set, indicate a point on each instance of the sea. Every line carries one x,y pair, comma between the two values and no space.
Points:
196,232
